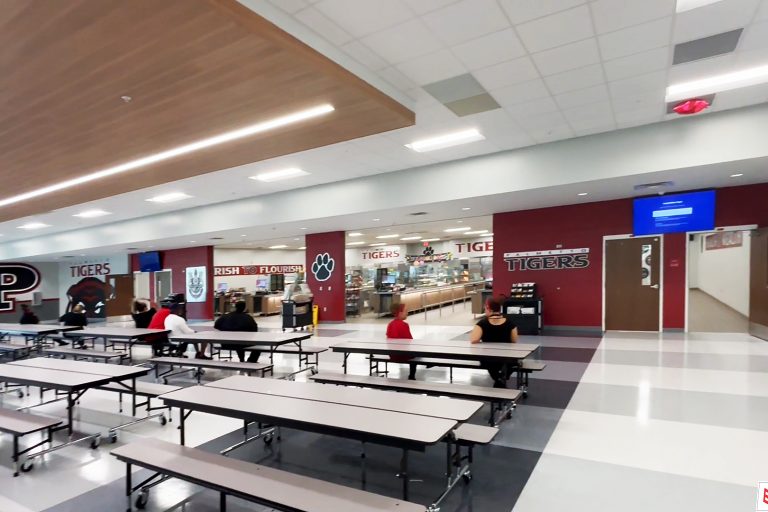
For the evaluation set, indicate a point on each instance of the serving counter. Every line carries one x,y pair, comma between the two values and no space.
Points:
419,299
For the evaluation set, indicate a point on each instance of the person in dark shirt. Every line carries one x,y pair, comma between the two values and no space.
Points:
28,316
495,328
142,314
74,318
398,329
238,320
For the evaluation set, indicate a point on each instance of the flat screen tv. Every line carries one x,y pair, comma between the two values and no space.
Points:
674,213
149,262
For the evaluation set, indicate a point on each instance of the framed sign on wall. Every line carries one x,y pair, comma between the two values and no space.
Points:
197,288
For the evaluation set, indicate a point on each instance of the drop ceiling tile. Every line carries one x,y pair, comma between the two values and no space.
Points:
638,116
630,87
455,88
611,15
520,11
575,79
434,115
432,68
490,49
637,64
556,30
520,93
750,58
755,37
466,20
424,6
403,42
473,105
507,73
364,55
701,68
494,122
513,140
590,116
714,19
361,18
581,97
316,21
551,133
706,47
741,97
647,36
290,6
532,108
649,100
397,79
762,11
565,58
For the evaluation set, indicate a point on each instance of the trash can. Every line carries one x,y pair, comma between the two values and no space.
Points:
315,314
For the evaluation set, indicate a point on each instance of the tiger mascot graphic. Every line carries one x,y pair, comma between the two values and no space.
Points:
92,294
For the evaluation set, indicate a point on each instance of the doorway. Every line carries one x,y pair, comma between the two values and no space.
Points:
718,281
758,292
119,296
632,284
163,283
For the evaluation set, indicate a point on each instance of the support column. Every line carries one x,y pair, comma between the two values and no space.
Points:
325,266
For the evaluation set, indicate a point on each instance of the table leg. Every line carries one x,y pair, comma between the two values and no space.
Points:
404,473
133,392
128,485
70,407
222,502
181,425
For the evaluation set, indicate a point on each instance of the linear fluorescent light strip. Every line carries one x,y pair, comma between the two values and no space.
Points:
718,83
90,214
355,243
430,240
278,246
411,238
34,225
480,232
283,174
354,234
688,5
446,141
456,230
247,131
387,236
169,198
377,245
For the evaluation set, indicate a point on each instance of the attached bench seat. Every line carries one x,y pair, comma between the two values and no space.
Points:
16,351
271,487
293,349
424,361
198,364
526,368
20,424
76,354
148,390
471,434
502,399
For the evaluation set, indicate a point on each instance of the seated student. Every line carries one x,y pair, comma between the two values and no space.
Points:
176,323
158,341
74,318
398,329
495,328
238,320
28,316
142,314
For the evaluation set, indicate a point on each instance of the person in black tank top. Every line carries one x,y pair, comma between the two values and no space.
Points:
495,328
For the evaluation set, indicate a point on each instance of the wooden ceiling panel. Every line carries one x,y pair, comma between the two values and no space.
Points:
194,68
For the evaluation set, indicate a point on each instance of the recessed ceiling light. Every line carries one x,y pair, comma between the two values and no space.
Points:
430,239
478,232
193,241
387,236
243,235
466,209
90,214
303,229
240,133
687,5
352,235
296,239
737,175
278,246
282,174
411,238
375,220
302,248
583,194
377,245
488,234
34,225
718,83
355,243
456,230
446,141
169,198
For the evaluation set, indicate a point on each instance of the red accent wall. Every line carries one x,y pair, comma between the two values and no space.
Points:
329,294
573,297
177,260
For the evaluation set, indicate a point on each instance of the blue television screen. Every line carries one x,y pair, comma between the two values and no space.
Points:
149,262
675,213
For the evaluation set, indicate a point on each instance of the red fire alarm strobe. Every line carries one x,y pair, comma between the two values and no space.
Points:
689,107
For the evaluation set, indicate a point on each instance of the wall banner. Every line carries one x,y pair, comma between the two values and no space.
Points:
82,282
16,279
197,284
253,270
556,259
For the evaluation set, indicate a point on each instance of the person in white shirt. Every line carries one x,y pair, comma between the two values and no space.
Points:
178,325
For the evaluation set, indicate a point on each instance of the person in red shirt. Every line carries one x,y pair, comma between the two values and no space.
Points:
398,329
160,340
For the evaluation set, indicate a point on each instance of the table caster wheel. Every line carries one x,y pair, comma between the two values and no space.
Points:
20,393
112,438
163,420
27,466
142,499
467,477
95,443
268,439
509,415
165,381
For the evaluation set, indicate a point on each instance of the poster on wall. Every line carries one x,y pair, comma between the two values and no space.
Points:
197,287
16,279
724,240
83,282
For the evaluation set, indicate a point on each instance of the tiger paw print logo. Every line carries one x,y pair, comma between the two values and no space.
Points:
322,267
429,251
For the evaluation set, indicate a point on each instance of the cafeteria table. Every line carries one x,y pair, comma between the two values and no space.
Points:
270,340
32,332
128,335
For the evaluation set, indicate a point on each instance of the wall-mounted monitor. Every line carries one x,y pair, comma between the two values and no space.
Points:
674,213
150,261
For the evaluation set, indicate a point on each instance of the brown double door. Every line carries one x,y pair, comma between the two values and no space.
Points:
633,284
758,284
119,294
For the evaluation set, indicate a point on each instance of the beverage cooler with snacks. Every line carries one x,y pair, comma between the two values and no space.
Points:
524,308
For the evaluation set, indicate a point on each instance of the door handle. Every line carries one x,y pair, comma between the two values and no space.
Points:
655,286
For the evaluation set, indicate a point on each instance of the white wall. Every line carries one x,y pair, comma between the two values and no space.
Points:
238,257
723,273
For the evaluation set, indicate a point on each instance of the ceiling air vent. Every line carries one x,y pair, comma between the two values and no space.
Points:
217,238
655,186
417,214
